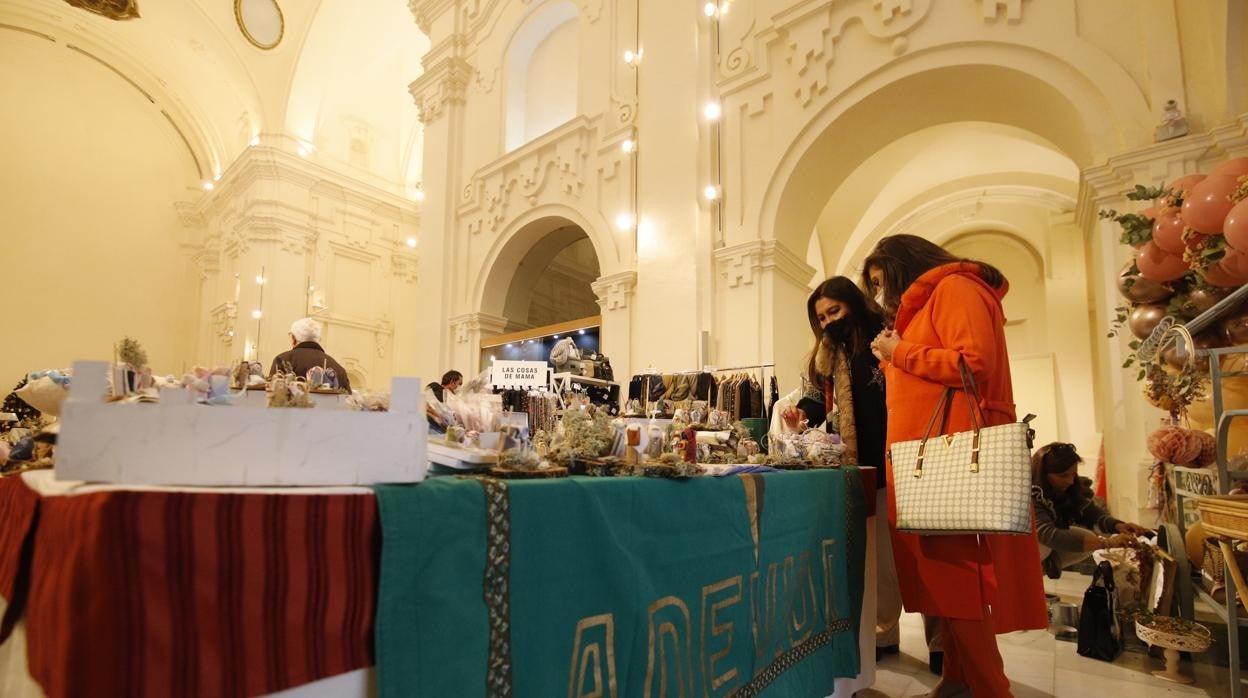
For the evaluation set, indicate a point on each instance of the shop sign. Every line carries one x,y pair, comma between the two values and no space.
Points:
518,374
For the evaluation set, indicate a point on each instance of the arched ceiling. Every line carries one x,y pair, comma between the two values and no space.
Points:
338,62
907,169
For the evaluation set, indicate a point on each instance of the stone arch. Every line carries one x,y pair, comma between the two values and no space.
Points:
1085,118
549,226
529,44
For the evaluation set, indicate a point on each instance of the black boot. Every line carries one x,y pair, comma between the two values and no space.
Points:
880,651
936,662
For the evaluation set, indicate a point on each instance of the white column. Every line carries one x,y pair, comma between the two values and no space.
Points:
466,332
615,291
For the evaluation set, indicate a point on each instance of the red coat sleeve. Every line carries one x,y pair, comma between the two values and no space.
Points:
963,313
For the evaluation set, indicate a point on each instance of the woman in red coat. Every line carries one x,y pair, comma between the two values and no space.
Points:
948,309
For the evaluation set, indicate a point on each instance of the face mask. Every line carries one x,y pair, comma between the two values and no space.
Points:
837,330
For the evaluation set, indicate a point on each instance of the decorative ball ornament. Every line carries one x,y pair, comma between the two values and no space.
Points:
1235,167
1168,231
1203,298
1206,205
1138,289
1144,318
1235,327
1235,227
1156,265
1235,263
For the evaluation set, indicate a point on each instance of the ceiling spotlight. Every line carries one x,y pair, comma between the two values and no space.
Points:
555,337
208,186
712,111
629,145
581,331
624,221
256,314
411,242
508,345
711,192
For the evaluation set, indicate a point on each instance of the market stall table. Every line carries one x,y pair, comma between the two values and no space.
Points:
155,591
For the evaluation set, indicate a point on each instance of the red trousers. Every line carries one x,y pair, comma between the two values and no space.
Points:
972,656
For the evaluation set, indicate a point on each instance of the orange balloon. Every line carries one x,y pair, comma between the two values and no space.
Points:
1217,276
1157,265
1206,205
1168,231
1186,182
1235,227
1235,167
1235,263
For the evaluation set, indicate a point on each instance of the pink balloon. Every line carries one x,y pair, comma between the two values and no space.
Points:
1235,263
1186,182
1156,265
1217,276
1207,204
1235,167
1236,226
1168,231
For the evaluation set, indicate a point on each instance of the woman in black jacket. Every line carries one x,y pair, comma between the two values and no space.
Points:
845,387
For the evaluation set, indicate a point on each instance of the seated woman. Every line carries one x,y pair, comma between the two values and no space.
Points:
1070,524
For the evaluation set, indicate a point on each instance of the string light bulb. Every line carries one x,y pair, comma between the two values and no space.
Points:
711,192
255,141
712,111
624,221
420,194
709,9
256,314
629,145
631,57
259,279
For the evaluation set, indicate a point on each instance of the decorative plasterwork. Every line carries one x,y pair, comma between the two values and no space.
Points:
743,264
470,327
1106,185
990,10
524,177
223,317
404,266
804,37
614,290
969,201
443,83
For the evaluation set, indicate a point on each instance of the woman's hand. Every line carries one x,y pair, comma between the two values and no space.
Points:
884,344
1131,529
794,418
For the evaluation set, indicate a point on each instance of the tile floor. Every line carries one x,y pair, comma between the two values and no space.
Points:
1040,666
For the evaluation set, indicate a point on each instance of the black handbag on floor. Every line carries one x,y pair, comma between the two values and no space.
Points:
1100,636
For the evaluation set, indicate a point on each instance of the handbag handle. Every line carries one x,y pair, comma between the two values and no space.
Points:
971,391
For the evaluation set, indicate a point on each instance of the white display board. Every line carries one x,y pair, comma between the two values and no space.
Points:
519,374
179,442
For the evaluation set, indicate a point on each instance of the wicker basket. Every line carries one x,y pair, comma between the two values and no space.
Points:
1225,515
1214,566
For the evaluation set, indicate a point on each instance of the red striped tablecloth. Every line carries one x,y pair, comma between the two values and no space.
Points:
141,592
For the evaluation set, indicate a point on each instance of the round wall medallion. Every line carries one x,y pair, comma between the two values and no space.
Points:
260,21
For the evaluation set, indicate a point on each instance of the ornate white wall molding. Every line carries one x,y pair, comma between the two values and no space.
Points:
444,82
615,290
806,34
223,317
1105,185
550,169
471,326
743,264
991,10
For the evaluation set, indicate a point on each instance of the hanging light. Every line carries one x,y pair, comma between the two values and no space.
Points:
208,185
711,192
411,242
256,314
709,9
624,221
260,279
712,111
629,145
632,58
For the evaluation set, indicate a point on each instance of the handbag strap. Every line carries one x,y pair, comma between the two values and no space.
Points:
971,391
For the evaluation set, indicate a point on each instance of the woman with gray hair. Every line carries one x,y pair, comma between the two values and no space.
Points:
306,353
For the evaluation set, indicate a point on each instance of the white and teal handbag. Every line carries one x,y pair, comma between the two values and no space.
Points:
976,481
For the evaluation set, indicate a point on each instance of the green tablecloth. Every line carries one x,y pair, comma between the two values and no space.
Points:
621,586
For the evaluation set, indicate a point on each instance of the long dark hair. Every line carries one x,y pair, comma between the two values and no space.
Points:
902,259
1052,459
864,319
